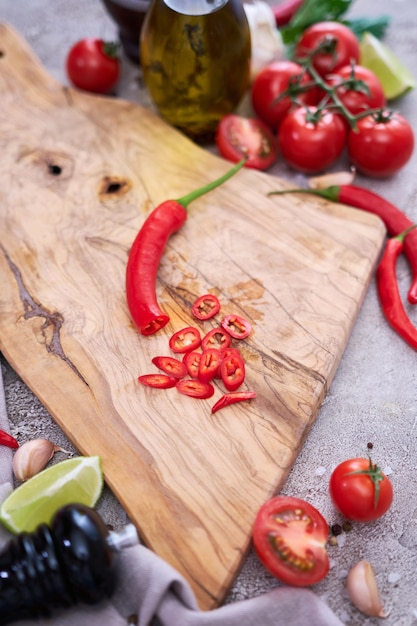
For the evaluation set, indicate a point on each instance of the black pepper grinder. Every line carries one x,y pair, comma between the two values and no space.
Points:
70,562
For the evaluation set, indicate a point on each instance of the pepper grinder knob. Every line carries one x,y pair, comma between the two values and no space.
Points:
70,562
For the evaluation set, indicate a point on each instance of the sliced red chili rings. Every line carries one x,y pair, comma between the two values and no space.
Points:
195,388
205,358
231,398
206,307
232,370
209,364
170,365
236,326
192,362
216,338
185,340
158,381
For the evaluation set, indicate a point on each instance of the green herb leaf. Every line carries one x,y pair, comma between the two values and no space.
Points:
375,25
312,11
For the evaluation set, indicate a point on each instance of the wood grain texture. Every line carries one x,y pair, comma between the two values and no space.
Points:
79,175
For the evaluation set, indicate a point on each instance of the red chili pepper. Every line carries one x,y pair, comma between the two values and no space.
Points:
394,219
146,252
216,338
195,388
388,291
192,362
232,370
206,307
7,440
170,365
236,326
185,340
232,398
210,362
158,381
285,11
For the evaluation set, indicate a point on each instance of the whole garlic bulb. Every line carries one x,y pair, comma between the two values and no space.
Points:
363,590
32,456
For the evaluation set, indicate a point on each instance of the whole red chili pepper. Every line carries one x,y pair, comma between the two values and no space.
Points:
285,11
7,440
394,219
388,291
146,252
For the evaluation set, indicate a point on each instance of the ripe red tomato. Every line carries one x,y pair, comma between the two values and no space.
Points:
310,140
361,88
339,46
289,536
382,144
360,490
238,136
93,65
271,82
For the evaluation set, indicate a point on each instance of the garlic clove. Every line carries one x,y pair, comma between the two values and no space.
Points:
267,44
333,179
363,590
32,456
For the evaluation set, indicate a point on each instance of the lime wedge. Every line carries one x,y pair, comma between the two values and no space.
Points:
394,77
78,480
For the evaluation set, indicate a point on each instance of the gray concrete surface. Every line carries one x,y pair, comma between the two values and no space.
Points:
373,396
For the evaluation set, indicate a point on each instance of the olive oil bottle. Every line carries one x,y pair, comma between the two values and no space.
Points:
195,57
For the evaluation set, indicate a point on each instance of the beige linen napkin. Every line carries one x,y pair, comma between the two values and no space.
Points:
151,593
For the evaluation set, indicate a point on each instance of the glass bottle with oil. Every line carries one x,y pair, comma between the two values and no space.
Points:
195,57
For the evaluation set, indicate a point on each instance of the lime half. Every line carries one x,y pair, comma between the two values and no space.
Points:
78,480
394,77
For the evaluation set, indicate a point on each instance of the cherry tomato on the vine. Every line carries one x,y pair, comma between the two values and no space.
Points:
311,140
289,537
361,88
271,83
360,490
382,144
93,65
339,46
238,136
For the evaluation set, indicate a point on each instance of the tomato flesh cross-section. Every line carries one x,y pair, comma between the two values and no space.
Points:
289,537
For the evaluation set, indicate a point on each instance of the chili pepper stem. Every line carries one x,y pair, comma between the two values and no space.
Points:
201,191
401,236
330,193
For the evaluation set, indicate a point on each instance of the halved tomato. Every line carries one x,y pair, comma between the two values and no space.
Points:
238,137
289,537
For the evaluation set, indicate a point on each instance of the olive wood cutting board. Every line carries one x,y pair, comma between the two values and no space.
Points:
79,174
